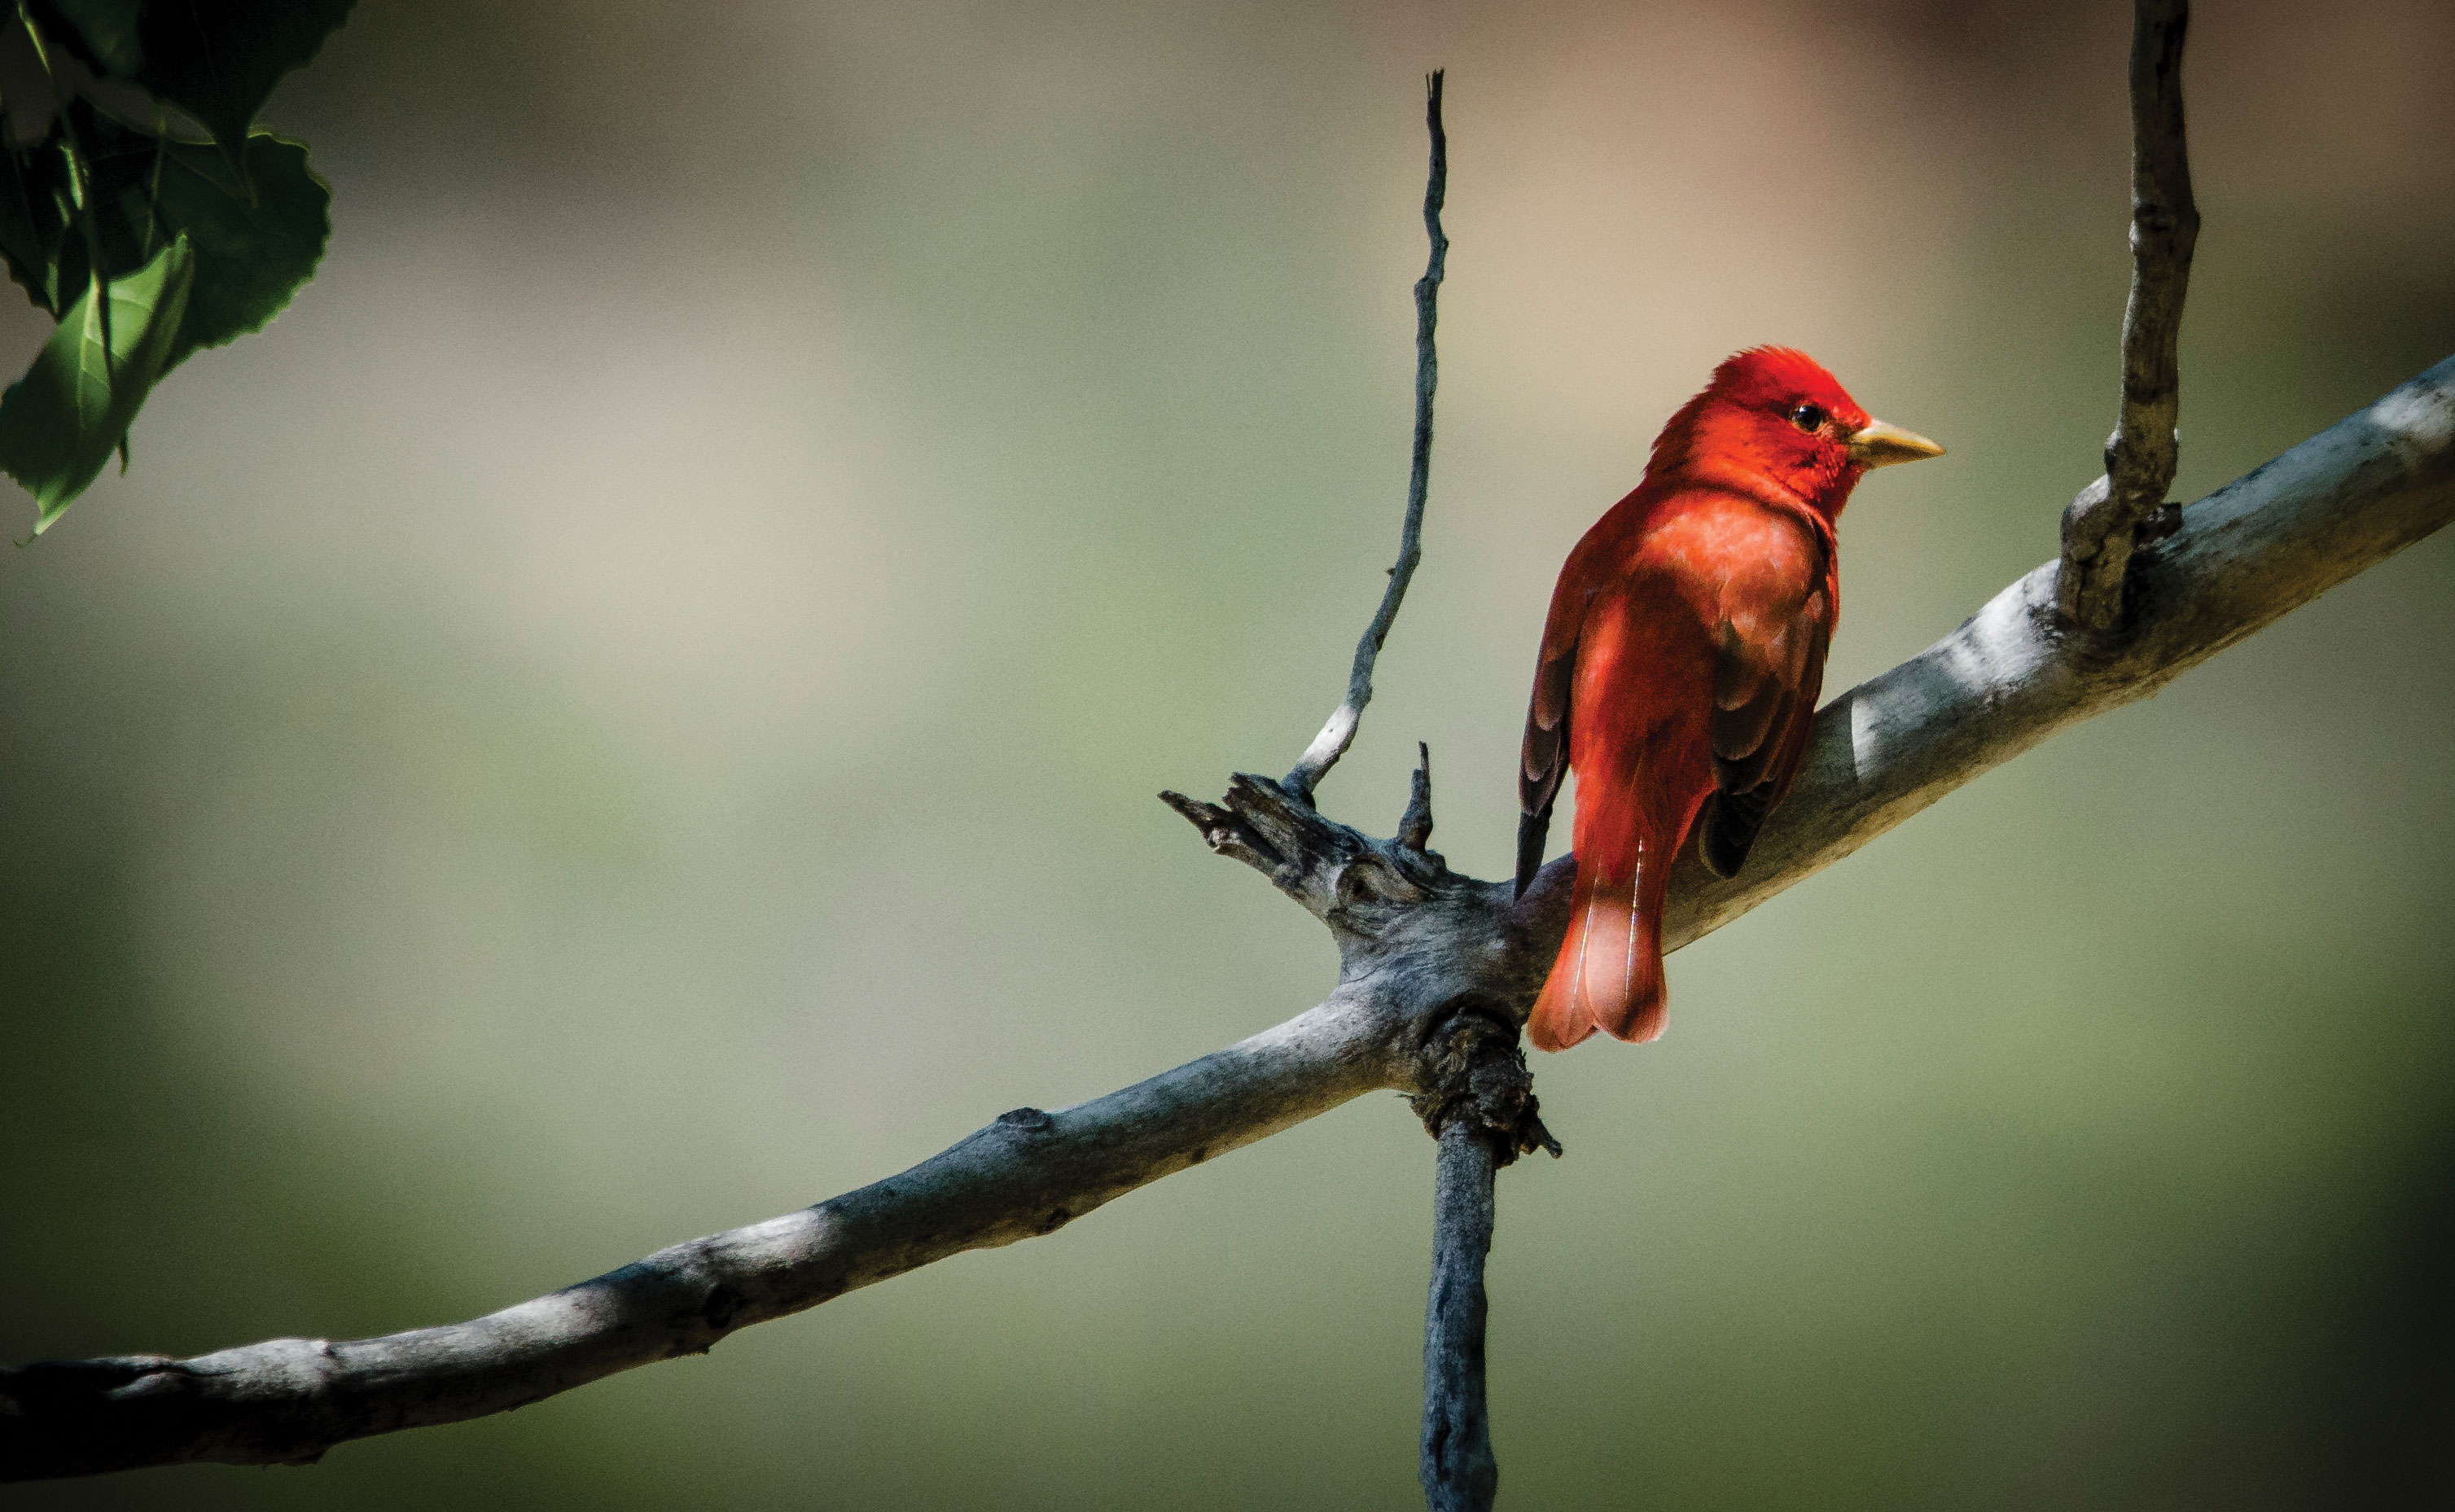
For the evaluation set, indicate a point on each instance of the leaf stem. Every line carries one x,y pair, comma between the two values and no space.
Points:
81,183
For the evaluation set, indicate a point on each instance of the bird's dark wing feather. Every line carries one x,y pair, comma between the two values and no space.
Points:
1543,760
1764,700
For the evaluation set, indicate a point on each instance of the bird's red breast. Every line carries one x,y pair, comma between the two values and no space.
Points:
1680,666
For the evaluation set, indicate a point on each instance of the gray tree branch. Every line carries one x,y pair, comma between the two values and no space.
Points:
1339,732
1482,1110
1425,952
2110,516
1458,1469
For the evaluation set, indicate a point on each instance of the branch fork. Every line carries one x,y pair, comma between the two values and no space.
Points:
2272,540
2127,505
1461,959
1436,972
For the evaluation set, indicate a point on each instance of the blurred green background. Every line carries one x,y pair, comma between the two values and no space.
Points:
634,707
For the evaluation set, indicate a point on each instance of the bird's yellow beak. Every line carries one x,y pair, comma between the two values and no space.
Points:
1877,444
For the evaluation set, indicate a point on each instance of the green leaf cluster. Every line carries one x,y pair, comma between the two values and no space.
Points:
139,207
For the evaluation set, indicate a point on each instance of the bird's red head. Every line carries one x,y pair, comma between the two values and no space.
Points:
1775,414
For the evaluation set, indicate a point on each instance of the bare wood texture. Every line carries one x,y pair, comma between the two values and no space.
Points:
1339,732
1423,952
1458,1469
2103,524
1459,1472
1027,1174
1480,1106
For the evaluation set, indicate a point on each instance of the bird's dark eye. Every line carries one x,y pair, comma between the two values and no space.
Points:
1807,417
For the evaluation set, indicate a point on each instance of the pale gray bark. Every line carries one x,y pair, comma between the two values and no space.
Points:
1339,732
1427,956
2103,525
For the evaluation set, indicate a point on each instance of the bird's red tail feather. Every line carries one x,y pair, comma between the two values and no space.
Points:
1609,972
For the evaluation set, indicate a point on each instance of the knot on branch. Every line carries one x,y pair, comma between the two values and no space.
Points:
1474,1072
2100,529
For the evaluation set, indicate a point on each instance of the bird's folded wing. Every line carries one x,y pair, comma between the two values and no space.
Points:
1543,760
1767,674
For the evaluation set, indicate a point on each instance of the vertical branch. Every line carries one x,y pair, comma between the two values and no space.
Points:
1458,1470
1340,732
1483,1111
2128,503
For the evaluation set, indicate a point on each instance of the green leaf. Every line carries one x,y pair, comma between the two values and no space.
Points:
109,30
218,60
258,222
60,423
32,232
258,232
41,230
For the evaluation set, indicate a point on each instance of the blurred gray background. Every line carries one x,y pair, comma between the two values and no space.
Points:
634,707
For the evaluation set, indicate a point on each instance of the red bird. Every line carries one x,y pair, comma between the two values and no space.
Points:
1680,666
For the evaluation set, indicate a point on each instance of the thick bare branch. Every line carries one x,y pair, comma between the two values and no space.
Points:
287,1401
1340,732
2106,521
1423,951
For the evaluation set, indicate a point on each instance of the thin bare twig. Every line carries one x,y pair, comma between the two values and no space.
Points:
1417,943
1340,732
2111,515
